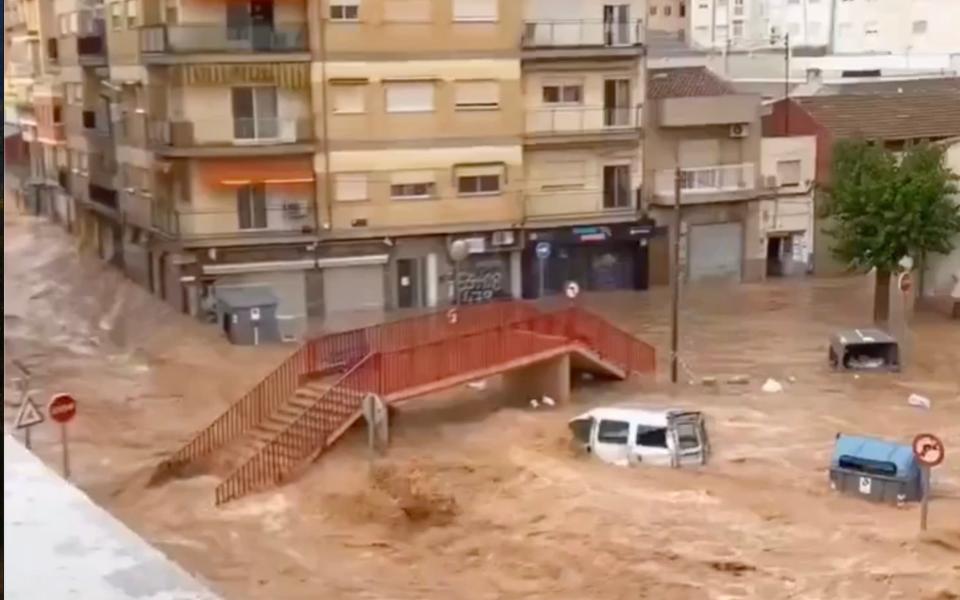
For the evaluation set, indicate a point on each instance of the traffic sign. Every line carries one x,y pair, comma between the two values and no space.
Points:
572,289
905,282
62,408
452,316
543,250
29,415
928,449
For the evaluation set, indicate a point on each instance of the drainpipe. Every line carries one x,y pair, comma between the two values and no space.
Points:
325,140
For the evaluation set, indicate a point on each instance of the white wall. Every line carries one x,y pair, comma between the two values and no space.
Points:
939,276
210,110
215,12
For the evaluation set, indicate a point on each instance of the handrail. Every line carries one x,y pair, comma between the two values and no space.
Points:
305,435
256,405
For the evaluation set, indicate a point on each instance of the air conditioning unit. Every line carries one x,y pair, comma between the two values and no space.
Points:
502,238
739,130
294,210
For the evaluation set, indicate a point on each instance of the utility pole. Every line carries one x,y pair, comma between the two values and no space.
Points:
786,87
675,283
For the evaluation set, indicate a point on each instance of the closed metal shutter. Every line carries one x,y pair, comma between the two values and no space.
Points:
715,251
353,288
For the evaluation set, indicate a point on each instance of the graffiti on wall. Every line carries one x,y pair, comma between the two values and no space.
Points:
481,281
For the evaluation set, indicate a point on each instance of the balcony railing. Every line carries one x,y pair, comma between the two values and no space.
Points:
719,179
230,132
581,119
92,46
219,38
582,33
286,218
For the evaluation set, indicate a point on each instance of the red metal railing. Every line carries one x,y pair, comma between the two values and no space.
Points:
340,351
255,406
406,363
308,434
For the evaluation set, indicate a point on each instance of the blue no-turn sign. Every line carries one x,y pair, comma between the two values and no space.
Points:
543,250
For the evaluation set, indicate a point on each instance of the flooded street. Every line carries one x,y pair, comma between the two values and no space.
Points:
478,500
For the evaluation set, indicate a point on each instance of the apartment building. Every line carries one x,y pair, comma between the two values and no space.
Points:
583,88
839,26
329,153
699,123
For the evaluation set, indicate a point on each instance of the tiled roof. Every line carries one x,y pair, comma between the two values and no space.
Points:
887,116
686,82
925,85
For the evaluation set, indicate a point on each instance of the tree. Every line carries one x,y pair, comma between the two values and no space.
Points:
885,207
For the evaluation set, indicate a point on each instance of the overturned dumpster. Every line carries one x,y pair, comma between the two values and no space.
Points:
876,470
864,350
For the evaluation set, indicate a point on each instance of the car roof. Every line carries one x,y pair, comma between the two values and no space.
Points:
646,415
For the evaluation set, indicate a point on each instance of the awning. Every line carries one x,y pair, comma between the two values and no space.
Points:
288,75
240,171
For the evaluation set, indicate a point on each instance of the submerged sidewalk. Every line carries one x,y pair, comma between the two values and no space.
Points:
59,544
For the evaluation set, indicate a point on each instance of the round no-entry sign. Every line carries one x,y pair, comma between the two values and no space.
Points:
62,408
928,449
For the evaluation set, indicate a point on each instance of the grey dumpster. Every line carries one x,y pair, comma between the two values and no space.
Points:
248,315
864,350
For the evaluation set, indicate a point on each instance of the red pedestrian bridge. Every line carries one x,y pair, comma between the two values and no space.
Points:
303,407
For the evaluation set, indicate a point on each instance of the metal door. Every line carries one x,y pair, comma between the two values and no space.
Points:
408,283
715,251
689,439
353,288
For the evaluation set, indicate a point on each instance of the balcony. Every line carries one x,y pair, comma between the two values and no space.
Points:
703,185
94,124
580,204
264,223
92,49
579,124
559,39
165,44
232,137
103,196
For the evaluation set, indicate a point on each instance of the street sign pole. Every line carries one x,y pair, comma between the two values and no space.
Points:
62,409
66,450
542,266
543,253
929,452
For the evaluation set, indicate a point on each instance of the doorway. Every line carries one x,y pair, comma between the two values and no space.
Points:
616,186
251,22
616,102
778,249
409,278
616,24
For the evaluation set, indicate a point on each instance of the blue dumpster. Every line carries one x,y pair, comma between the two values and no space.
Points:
876,470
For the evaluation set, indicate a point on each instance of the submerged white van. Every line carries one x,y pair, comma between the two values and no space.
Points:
628,436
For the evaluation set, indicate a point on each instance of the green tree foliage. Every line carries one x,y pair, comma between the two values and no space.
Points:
884,207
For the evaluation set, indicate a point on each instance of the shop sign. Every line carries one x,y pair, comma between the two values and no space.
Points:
592,234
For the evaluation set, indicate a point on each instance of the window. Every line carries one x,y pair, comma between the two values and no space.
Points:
613,432
412,185
477,95
653,10
563,94
475,10
351,187
919,27
616,186
255,113
345,11
477,181
793,29
57,115
407,11
132,14
410,96
793,1
667,10
721,32
737,30
683,9
348,98
871,28
116,16
252,206
788,172
813,29
652,437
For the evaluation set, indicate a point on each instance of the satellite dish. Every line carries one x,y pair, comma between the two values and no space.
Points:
459,250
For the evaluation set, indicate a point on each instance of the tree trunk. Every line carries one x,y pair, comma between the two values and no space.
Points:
881,298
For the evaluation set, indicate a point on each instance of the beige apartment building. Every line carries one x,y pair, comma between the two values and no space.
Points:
326,154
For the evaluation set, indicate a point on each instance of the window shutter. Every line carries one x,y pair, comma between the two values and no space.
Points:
351,187
410,177
348,98
477,94
474,10
410,96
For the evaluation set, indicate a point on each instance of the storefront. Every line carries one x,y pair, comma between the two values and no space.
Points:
598,258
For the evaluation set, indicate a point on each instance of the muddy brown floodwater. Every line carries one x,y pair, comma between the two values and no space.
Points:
480,500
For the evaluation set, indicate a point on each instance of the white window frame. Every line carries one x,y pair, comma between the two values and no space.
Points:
343,7
422,108
117,18
477,175
789,164
429,191
132,14
561,92
490,15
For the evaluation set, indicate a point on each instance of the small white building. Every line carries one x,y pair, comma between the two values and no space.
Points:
788,167
942,276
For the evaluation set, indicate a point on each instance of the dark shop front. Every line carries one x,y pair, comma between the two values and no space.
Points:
597,257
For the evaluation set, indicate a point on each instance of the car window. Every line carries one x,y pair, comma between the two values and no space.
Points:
613,432
653,437
687,436
581,429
